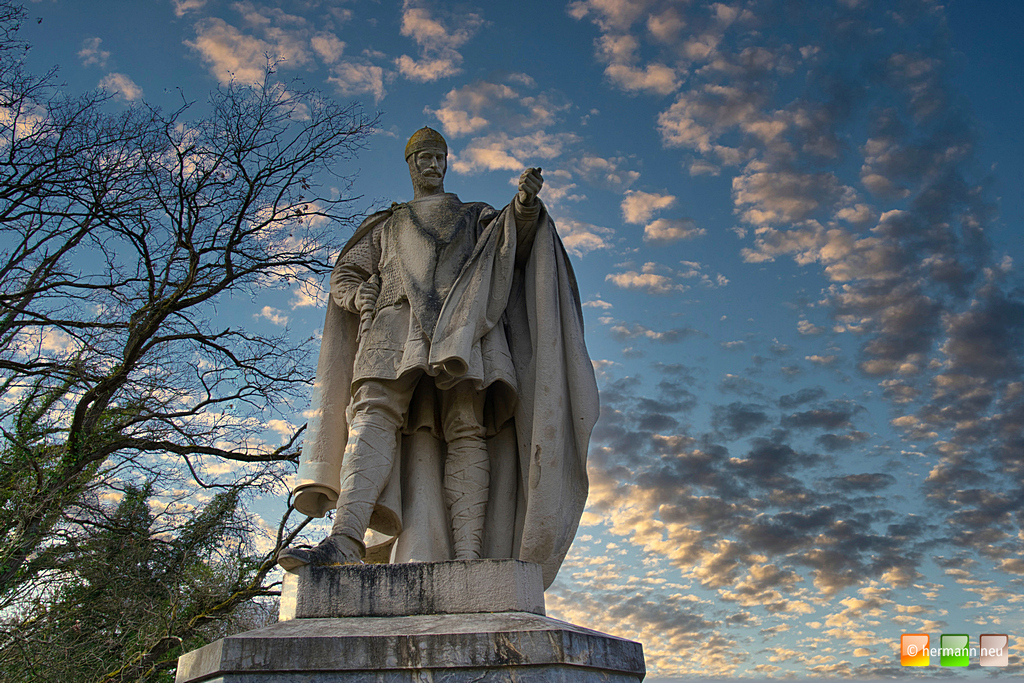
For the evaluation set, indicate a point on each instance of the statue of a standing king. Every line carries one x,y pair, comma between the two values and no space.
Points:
454,397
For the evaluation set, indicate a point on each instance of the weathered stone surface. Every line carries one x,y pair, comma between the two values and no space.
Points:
388,590
511,647
539,674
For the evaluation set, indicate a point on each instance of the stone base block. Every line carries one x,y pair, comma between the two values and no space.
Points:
510,647
390,590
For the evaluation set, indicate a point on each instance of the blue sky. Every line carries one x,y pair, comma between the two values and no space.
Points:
796,228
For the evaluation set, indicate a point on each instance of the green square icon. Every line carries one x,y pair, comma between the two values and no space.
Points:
954,649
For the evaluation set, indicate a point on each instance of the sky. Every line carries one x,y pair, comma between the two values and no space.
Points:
796,229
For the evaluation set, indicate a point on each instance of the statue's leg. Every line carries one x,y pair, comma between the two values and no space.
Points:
378,411
466,468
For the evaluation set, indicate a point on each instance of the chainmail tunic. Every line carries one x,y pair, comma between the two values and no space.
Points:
418,253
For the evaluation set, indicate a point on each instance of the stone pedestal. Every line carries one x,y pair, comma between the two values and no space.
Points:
400,590
437,622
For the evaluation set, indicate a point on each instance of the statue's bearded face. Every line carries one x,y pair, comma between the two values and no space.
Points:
427,168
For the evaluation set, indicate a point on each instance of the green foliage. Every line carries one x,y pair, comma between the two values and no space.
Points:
123,597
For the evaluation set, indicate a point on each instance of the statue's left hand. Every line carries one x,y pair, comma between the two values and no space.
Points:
530,183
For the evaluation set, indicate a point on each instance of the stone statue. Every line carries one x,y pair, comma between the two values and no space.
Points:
454,397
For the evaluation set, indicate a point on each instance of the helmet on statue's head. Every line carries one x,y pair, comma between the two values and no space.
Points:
425,138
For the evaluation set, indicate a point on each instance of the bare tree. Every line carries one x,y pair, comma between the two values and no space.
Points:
121,236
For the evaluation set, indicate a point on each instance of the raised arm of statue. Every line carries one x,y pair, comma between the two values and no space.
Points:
530,182
527,209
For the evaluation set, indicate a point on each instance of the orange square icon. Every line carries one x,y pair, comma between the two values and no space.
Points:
914,649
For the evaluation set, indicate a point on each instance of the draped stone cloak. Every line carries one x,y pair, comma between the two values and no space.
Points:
537,442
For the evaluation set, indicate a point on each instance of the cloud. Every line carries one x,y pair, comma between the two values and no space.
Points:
736,420
606,171
863,482
664,230
893,164
610,15
56,341
806,327
651,283
695,271
774,197
617,48
844,256
427,69
623,332
499,151
801,397
904,320
985,340
638,207
700,115
742,386
748,65
328,47
419,24
308,292
355,78
506,106
558,187
437,39
579,238
183,7
918,75
841,442
702,167
665,26
455,116
836,416
657,79
92,54
284,429
273,315
232,54
899,391
673,398
121,86
620,51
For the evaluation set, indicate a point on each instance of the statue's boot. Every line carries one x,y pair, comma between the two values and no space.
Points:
366,467
466,479
332,550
